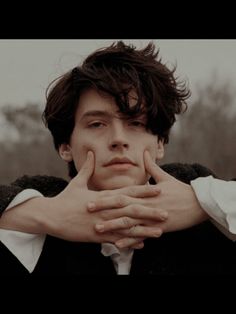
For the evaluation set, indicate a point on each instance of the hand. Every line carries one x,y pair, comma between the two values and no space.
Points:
66,215
175,198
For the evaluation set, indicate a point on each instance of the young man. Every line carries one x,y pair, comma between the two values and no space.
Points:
110,119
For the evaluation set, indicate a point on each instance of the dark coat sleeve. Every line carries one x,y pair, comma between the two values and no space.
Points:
187,172
7,193
47,185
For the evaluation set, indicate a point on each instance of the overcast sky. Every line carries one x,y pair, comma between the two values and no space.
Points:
28,66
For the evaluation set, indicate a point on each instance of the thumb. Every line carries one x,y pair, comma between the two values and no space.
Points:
86,170
153,169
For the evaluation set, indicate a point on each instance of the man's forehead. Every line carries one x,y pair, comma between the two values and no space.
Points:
109,114
94,103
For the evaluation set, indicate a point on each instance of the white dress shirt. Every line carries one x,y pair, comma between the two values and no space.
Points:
25,246
217,198
121,258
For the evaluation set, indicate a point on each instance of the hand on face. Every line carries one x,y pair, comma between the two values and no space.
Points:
118,170
146,217
132,211
177,198
68,215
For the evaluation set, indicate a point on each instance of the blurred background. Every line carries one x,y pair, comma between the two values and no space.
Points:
205,133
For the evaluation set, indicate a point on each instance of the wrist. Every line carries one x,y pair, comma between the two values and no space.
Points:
201,214
25,217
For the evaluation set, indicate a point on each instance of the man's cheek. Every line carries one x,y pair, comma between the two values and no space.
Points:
81,157
152,151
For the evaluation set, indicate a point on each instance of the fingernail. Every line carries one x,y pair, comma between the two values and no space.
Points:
91,206
89,154
157,233
120,244
163,215
100,228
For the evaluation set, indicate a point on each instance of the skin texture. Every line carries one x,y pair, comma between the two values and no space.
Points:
99,127
175,198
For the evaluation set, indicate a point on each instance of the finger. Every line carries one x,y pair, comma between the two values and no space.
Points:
153,169
114,237
86,170
138,246
110,202
116,224
110,237
127,242
138,211
138,191
122,197
134,211
142,231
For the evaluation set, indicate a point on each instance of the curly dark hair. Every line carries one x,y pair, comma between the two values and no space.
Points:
117,70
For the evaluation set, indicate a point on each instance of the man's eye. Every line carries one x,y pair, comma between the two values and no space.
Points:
137,123
96,125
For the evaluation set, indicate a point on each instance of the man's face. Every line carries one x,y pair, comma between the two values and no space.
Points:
118,143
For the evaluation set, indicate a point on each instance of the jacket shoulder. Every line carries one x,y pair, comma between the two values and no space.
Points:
187,172
47,185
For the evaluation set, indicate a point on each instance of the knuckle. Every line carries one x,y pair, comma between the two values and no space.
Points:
132,190
126,222
120,201
135,210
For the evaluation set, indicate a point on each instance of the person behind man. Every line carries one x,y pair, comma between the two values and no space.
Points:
110,119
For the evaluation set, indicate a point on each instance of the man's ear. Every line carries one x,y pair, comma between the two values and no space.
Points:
160,149
65,152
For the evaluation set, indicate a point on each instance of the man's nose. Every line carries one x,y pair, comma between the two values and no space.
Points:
118,138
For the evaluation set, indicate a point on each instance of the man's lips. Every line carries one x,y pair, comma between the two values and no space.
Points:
120,163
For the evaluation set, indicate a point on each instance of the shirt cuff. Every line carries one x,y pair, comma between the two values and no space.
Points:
23,196
218,199
26,247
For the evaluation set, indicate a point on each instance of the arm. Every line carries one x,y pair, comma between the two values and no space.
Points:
65,214
176,197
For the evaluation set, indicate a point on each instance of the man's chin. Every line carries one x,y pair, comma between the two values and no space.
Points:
116,183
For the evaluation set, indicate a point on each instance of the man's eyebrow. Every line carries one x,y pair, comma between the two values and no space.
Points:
107,114
96,113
